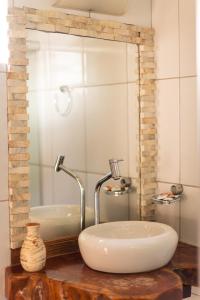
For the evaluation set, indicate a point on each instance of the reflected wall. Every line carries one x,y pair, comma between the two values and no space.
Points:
100,122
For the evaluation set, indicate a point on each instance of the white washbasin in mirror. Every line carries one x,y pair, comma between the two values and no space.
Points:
127,246
59,220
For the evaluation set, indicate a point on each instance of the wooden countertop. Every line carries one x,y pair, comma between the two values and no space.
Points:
67,277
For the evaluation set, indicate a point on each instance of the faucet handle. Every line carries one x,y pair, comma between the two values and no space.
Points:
112,160
114,168
59,162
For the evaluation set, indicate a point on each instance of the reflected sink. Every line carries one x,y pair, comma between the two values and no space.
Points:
60,220
128,246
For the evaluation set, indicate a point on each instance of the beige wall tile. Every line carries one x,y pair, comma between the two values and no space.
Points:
66,189
133,200
133,124
189,115
33,100
165,23
35,185
132,65
105,61
106,136
41,125
187,13
38,57
65,60
168,130
47,185
68,132
190,221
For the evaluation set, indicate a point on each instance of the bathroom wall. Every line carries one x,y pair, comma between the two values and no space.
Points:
4,209
178,120
138,12
102,123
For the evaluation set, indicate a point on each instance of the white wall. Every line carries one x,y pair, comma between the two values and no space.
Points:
138,12
178,158
4,210
178,117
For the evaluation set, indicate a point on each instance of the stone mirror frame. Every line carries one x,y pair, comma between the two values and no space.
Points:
21,19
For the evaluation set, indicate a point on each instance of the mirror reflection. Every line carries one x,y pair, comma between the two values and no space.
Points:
83,105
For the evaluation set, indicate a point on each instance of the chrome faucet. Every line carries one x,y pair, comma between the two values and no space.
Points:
58,167
115,174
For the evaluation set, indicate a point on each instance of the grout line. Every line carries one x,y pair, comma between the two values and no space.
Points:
75,170
84,76
85,86
4,201
139,138
179,77
128,130
151,4
179,116
127,123
186,185
53,181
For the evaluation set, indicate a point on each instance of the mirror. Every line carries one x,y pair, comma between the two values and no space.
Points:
83,104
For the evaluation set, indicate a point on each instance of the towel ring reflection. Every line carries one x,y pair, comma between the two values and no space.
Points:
63,101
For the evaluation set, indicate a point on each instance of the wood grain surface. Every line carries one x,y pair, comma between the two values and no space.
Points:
68,278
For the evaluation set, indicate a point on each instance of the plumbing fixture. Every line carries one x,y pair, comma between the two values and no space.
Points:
169,197
177,189
124,187
64,89
115,174
60,167
63,100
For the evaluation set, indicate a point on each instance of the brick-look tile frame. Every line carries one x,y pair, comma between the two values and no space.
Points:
21,19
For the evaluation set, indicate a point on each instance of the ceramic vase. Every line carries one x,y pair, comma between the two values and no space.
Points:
33,251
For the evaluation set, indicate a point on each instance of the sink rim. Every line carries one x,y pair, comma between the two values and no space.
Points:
165,230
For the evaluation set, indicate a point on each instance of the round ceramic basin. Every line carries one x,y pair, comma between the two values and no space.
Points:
58,221
127,246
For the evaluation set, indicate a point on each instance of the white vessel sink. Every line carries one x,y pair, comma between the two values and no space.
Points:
128,246
59,220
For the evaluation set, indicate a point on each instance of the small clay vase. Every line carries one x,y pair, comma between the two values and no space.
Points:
33,251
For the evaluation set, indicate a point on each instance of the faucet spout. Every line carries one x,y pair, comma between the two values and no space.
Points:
60,167
115,174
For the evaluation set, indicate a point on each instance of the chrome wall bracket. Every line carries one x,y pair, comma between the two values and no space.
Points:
169,197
